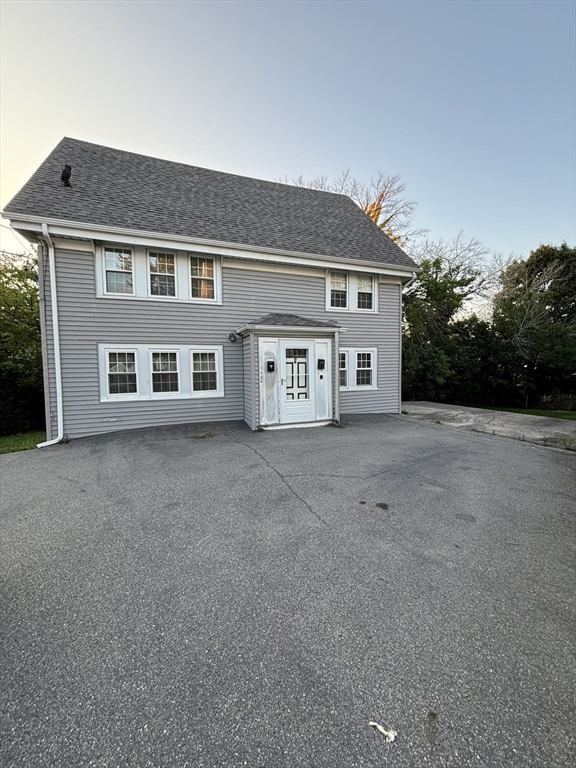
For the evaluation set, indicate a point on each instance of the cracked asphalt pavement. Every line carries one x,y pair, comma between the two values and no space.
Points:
256,599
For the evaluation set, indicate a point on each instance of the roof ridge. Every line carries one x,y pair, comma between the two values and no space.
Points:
199,167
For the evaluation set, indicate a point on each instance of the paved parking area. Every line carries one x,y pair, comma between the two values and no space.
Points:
172,598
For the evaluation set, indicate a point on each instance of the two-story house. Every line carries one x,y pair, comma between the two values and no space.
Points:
173,294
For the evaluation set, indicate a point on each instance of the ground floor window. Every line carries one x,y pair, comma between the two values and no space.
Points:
357,368
122,373
142,372
165,372
204,372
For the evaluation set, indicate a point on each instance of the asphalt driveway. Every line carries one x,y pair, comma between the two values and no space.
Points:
256,599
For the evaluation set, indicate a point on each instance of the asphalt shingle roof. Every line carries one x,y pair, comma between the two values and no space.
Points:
274,318
111,187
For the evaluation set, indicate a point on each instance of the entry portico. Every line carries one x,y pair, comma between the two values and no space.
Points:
289,365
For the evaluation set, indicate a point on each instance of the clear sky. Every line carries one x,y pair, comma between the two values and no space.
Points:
471,103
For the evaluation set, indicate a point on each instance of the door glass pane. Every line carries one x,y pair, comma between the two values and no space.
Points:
296,386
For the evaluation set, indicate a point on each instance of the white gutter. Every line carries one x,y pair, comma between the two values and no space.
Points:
55,337
119,235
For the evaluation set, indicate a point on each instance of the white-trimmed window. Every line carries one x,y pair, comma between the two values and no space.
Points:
351,292
202,277
118,270
339,290
357,368
206,371
121,375
157,274
162,273
146,372
165,378
365,293
343,369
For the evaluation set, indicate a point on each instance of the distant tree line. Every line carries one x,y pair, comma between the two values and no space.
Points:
518,349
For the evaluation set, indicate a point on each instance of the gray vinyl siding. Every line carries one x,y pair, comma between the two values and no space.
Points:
86,321
249,390
385,335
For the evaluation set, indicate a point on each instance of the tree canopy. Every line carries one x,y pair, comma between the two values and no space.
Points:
20,345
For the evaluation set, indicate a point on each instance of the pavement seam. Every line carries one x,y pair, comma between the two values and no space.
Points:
282,477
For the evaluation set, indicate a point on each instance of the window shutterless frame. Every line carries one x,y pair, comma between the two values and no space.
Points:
118,263
343,369
360,366
206,371
204,278
150,372
351,292
120,373
162,273
147,273
164,367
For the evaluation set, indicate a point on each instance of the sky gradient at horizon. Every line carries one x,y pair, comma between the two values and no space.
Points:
472,104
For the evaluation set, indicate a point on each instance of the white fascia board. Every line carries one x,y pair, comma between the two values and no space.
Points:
233,250
310,330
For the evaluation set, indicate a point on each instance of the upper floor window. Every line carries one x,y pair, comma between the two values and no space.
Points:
118,267
338,289
138,272
162,274
351,292
202,275
365,292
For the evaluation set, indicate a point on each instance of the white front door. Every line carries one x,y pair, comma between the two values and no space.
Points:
297,402
295,380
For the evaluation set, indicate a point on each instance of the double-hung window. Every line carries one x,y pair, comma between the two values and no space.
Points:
202,275
118,266
162,268
146,372
339,289
121,373
364,370
365,293
351,292
205,372
159,274
357,368
343,369
165,372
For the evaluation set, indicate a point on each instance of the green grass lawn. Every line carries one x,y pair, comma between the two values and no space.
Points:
571,415
13,443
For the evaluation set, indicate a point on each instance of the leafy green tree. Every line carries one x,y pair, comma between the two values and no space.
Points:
535,314
20,346
451,274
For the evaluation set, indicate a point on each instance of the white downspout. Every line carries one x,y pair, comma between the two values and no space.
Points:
406,285
55,337
409,283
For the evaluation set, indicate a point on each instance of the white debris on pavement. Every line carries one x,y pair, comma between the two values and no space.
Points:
390,735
